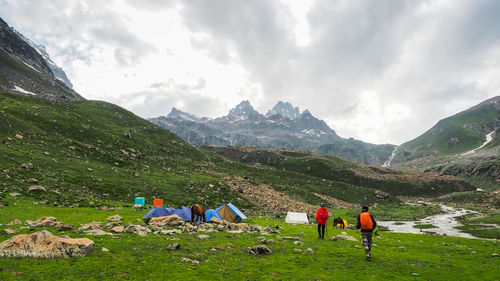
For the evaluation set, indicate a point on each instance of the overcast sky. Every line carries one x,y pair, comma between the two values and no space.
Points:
379,71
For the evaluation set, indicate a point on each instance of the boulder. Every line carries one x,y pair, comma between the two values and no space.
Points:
45,245
118,229
190,261
110,225
174,246
114,218
259,250
203,236
89,226
27,166
291,238
65,227
172,220
215,220
16,221
36,188
242,226
32,180
9,231
97,232
47,222
169,232
381,195
310,251
343,237
137,229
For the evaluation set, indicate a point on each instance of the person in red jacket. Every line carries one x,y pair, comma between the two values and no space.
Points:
321,218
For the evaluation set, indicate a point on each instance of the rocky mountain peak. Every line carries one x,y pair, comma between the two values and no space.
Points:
244,111
179,114
285,109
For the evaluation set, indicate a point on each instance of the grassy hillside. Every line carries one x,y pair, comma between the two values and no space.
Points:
88,152
337,170
454,135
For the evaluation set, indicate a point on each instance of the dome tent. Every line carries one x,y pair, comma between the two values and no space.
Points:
210,213
159,211
231,213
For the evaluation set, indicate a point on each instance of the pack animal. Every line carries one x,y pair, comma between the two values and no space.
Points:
197,213
338,222
137,207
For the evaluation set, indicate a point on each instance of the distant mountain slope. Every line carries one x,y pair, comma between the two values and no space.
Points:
24,71
284,126
457,134
335,169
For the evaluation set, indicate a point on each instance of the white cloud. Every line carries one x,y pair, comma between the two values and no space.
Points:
380,71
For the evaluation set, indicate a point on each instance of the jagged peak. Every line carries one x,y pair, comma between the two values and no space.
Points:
284,109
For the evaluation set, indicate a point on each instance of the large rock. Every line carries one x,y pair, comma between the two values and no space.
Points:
97,232
259,250
172,220
16,221
215,220
242,226
110,225
114,218
89,226
36,188
45,245
9,231
343,237
137,229
47,222
118,229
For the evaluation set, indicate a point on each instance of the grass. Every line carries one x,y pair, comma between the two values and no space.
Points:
482,225
395,256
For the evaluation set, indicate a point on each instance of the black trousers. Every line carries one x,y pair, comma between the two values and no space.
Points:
321,230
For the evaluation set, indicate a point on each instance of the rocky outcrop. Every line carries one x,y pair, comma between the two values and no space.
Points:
172,220
137,229
45,245
259,250
47,222
89,226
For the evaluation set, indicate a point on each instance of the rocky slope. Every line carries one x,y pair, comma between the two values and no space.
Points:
24,71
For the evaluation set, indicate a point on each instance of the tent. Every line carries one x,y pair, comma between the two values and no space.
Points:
157,202
140,201
159,211
298,218
229,212
184,213
210,213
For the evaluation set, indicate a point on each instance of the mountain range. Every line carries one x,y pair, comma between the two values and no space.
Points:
283,126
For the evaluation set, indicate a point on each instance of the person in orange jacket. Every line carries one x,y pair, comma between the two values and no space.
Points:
321,218
367,224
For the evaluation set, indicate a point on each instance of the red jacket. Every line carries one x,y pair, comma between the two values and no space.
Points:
320,220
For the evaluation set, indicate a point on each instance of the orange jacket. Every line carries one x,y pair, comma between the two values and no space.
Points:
320,220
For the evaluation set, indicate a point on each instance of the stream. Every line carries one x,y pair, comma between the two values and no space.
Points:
387,163
445,224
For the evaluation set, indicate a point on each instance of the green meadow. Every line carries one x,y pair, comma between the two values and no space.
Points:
223,256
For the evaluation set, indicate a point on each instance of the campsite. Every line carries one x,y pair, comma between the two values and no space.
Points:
296,252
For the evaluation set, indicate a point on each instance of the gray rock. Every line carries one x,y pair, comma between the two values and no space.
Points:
203,236
174,246
36,188
259,250
291,238
9,231
343,237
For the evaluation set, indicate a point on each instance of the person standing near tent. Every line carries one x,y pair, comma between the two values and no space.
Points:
321,218
367,224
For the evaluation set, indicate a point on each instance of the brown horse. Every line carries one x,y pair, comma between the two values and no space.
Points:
198,213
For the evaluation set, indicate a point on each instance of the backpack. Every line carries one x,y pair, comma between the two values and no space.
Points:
366,221
323,214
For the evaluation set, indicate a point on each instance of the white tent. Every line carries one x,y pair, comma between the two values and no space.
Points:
299,218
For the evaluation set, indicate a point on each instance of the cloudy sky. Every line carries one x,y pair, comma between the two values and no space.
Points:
380,71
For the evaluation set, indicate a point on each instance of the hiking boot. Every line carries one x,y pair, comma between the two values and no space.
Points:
368,258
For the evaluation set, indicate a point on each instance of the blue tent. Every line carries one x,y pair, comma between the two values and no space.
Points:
210,213
230,213
184,213
157,212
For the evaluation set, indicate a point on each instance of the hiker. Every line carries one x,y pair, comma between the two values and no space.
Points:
321,217
366,223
